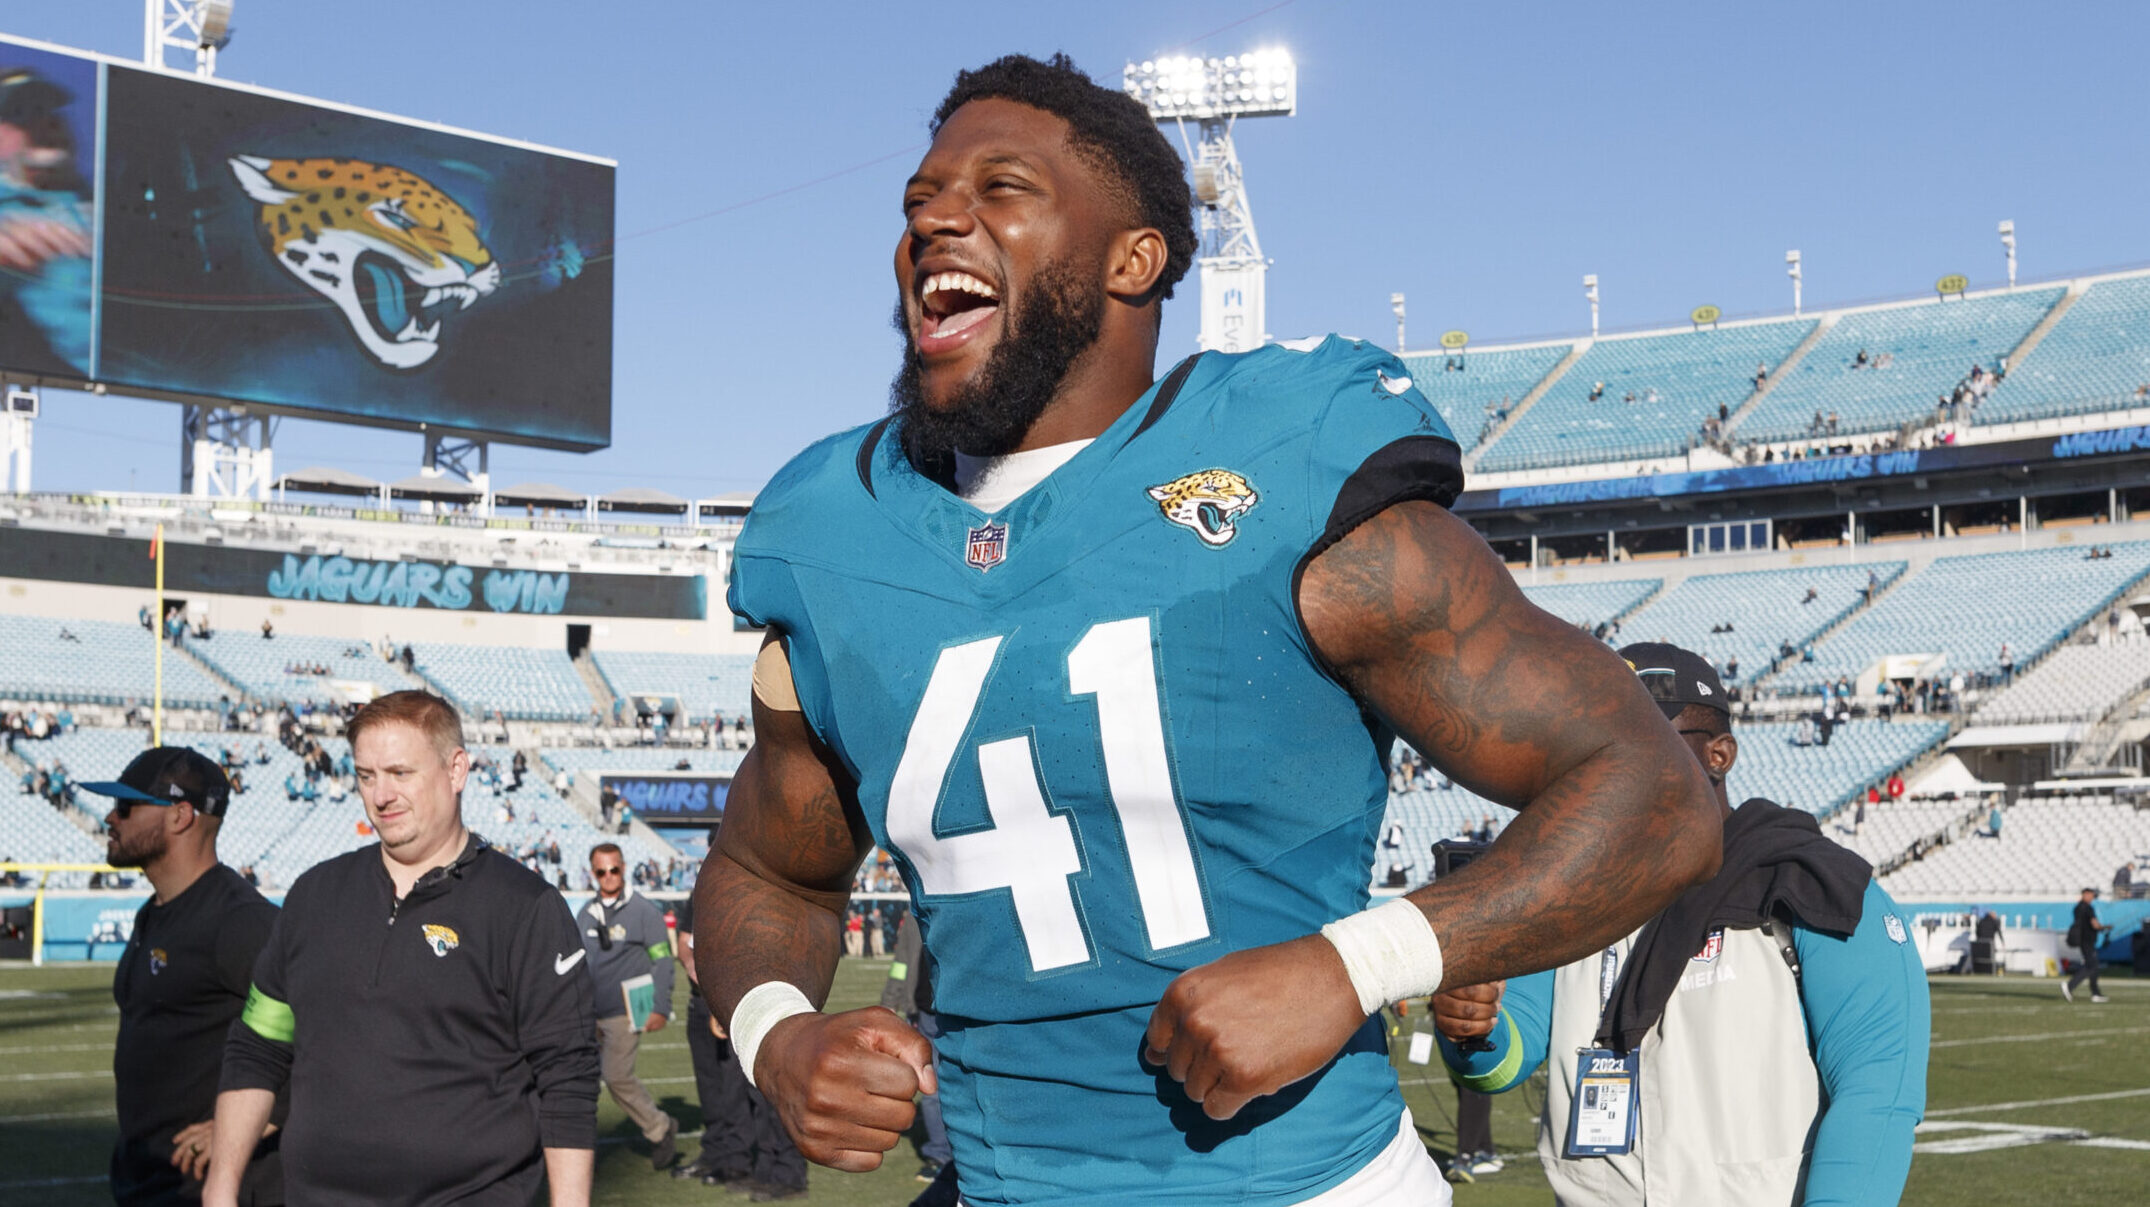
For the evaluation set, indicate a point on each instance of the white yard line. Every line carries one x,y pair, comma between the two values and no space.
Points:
35,1049
2015,1106
100,1113
67,1076
2038,1037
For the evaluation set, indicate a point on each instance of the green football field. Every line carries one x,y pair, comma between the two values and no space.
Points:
2031,1100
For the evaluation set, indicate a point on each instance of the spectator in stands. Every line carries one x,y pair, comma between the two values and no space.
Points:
2084,935
1731,668
1824,723
2008,664
1811,596
518,767
1859,361
1858,813
2124,881
1761,373
1765,1075
268,629
1895,787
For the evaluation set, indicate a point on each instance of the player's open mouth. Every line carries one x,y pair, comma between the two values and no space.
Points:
953,307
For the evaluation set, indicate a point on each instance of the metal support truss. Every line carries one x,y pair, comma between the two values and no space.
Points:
225,453
469,460
1234,274
196,27
17,419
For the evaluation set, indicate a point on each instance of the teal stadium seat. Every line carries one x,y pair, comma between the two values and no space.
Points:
1690,373
1478,381
2094,359
1932,346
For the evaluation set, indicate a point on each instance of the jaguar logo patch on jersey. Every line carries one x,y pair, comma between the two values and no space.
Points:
158,961
1207,503
1712,947
1895,926
986,546
441,939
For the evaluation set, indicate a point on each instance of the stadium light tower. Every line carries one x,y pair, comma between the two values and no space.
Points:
1396,306
201,27
1791,259
2008,244
1590,290
1215,93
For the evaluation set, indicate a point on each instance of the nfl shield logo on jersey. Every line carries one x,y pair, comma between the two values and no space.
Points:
987,546
1711,947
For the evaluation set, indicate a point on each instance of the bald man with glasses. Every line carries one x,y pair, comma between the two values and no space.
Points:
625,937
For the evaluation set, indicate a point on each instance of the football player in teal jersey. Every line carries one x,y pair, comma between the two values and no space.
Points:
1111,666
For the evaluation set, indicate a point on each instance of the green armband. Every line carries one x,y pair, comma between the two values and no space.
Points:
267,1017
898,971
660,951
1502,1075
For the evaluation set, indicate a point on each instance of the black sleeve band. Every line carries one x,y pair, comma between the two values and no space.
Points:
1412,467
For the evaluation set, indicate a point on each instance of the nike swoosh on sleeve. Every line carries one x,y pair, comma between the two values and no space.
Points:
560,964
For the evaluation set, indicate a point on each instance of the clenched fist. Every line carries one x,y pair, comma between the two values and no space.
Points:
1253,1022
843,1083
1468,1012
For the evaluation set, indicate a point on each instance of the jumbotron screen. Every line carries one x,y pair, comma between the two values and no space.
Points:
204,241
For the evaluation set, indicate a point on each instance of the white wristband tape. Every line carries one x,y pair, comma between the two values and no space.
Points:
1389,951
764,1006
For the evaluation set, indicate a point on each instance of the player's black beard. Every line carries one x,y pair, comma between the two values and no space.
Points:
1059,320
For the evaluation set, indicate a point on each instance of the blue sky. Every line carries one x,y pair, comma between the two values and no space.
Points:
1478,158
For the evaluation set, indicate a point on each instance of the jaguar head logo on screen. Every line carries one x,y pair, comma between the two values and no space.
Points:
395,254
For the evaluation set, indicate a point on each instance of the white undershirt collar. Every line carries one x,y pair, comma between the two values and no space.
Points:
991,483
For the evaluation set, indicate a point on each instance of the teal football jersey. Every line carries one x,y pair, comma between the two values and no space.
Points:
1093,732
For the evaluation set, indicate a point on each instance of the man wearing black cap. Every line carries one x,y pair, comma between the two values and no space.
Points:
2084,935
182,980
1783,1061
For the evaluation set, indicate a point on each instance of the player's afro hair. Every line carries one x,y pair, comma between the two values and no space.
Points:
1109,129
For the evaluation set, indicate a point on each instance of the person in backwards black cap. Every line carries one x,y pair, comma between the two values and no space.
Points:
1763,1040
182,980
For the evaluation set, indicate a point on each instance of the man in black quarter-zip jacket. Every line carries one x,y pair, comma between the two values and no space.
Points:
423,1000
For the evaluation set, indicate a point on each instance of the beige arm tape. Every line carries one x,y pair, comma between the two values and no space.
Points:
772,679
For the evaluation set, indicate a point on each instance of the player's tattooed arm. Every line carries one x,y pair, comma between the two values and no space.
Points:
1426,626
769,906
769,903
